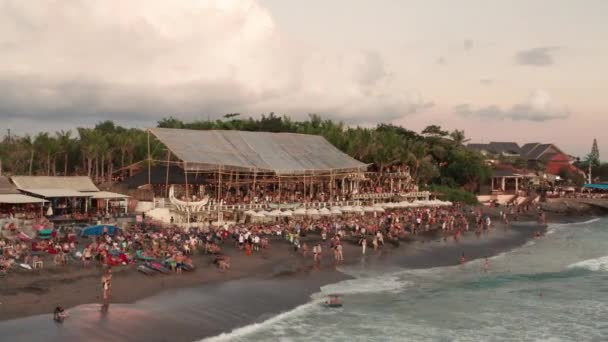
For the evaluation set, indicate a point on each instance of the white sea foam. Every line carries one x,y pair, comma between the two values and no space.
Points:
388,283
597,264
252,328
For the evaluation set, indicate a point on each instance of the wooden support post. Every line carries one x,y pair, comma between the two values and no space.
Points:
167,176
279,192
149,160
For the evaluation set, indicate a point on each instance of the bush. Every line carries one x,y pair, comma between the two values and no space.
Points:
453,194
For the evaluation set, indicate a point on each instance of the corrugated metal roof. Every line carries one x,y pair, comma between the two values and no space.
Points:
77,183
281,153
53,193
6,187
19,199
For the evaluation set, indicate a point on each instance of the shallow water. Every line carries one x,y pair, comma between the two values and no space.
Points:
552,289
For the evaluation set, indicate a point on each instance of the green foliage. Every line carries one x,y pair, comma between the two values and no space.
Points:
434,157
453,194
572,177
593,158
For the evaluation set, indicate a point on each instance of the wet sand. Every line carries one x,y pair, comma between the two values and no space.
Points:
253,293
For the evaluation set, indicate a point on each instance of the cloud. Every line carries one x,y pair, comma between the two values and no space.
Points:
80,61
539,107
540,56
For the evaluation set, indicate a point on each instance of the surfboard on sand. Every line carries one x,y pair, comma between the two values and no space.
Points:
26,267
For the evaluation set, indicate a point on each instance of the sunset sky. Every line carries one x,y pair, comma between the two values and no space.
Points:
516,70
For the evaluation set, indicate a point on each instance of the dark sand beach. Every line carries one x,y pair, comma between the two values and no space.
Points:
206,303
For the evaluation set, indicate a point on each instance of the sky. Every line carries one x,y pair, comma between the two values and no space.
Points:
517,70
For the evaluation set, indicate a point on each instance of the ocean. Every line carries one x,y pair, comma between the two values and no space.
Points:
552,289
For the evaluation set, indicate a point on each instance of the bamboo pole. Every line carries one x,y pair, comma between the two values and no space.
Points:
167,176
253,192
149,160
279,192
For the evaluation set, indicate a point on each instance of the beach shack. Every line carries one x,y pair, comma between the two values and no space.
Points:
70,197
15,205
506,181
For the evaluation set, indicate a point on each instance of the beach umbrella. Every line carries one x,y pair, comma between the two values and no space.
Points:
250,213
378,209
287,213
336,211
347,209
312,212
300,211
358,209
261,213
275,213
324,212
369,209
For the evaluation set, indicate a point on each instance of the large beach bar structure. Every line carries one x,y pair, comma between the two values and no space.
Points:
237,171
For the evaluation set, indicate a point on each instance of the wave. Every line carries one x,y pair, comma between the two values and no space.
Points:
554,227
255,327
597,264
388,283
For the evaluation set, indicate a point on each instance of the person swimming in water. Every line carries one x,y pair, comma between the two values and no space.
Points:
333,301
59,314
486,265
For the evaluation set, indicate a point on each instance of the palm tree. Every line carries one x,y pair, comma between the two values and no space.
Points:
28,144
65,145
458,137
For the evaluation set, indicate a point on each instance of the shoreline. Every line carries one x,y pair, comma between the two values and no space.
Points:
282,280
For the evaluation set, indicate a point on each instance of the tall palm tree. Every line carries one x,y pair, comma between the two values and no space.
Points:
65,144
28,144
458,137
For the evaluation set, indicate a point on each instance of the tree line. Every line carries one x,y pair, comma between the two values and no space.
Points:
435,156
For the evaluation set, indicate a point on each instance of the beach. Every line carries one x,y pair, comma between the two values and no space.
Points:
206,302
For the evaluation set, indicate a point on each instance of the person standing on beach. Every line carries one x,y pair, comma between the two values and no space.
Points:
363,245
339,252
462,259
106,284
319,253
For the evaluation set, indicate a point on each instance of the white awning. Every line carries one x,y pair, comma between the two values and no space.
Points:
19,199
105,195
53,193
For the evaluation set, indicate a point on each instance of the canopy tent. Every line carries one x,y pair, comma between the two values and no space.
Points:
279,153
19,199
598,186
